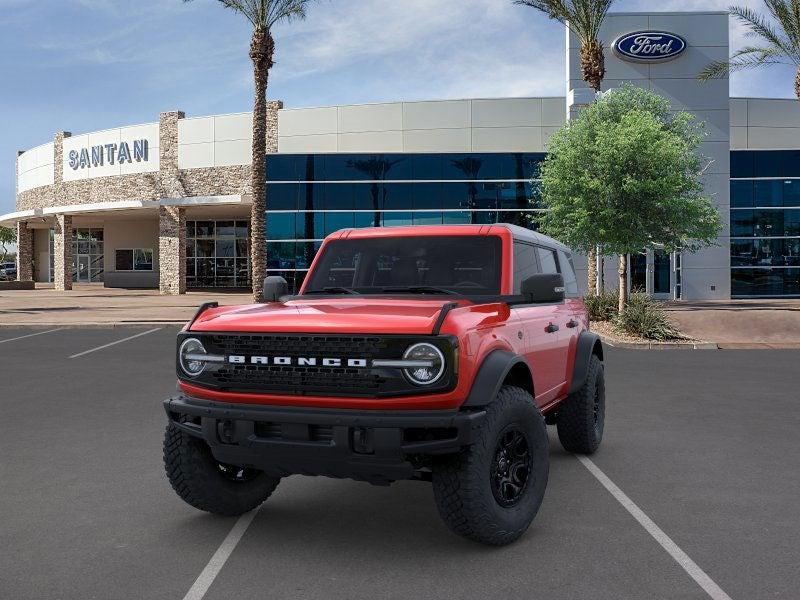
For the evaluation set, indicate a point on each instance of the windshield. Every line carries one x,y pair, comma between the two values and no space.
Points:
468,265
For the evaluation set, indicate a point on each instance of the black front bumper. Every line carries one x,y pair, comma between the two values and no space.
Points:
375,446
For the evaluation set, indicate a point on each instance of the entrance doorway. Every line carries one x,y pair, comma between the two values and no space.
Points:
656,273
87,251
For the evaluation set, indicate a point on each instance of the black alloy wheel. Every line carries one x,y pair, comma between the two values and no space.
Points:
511,467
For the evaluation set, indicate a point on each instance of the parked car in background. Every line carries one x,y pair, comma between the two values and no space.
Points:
8,271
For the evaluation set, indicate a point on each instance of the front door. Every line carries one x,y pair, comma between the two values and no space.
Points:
662,273
83,269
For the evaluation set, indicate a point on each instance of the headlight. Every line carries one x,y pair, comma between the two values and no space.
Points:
191,357
431,364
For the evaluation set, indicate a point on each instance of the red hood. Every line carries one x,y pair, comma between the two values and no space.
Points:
339,315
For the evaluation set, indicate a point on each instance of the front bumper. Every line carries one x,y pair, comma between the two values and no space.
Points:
375,446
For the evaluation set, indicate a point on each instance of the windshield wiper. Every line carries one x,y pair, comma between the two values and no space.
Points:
333,290
419,289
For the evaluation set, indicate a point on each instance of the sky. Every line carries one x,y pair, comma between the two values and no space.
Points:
86,65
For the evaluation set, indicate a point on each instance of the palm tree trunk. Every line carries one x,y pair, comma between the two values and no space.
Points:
623,282
593,68
261,51
797,84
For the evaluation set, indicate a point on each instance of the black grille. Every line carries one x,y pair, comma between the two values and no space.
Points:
298,379
310,380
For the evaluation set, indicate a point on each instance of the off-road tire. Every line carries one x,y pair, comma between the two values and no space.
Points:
462,483
581,417
198,479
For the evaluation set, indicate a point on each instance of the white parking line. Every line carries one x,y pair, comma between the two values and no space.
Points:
115,343
214,566
695,572
22,337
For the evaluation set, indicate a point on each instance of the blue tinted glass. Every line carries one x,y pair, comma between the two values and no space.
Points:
427,218
741,194
768,163
282,196
742,164
483,195
765,282
515,195
339,196
515,218
343,167
465,166
398,167
367,196
280,226
426,166
311,167
310,226
311,196
455,195
337,221
791,192
742,223
457,217
791,222
305,252
529,163
283,167
367,219
768,223
395,219
768,193
790,165
396,196
427,195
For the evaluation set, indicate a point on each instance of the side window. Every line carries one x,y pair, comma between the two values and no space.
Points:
568,269
547,258
525,264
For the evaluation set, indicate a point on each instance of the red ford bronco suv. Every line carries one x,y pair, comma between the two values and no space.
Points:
435,353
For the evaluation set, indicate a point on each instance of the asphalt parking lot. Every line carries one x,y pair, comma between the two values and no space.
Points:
705,443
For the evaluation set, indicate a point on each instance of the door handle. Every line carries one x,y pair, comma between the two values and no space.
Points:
572,323
552,328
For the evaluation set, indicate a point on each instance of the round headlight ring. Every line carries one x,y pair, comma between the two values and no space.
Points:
192,368
424,351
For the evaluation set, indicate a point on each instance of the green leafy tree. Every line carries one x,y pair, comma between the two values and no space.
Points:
263,15
584,19
778,40
627,174
7,237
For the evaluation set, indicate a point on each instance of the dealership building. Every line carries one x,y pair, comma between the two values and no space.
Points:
167,204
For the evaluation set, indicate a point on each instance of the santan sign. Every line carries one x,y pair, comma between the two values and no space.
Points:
97,156
649,46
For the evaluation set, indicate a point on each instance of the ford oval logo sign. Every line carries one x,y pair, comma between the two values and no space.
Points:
649,46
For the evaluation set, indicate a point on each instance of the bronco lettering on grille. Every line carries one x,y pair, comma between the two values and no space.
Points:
288,361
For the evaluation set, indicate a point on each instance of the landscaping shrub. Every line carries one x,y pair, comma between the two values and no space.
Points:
602,307
646,318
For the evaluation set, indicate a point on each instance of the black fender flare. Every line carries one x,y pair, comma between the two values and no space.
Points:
491,375
588,343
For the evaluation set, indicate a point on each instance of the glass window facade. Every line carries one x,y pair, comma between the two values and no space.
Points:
765,223
217,254
309,196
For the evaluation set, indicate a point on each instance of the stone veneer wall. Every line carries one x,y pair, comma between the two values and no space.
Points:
62,251
24,252
169,182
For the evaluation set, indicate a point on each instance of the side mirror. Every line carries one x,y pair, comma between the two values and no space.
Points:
544,288
275,286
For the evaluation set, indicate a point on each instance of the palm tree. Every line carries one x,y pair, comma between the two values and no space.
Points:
263,15
584,19
780,41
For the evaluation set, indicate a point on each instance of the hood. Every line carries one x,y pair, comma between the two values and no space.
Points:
339,315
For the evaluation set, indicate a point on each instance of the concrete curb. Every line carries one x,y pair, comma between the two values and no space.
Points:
658,345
